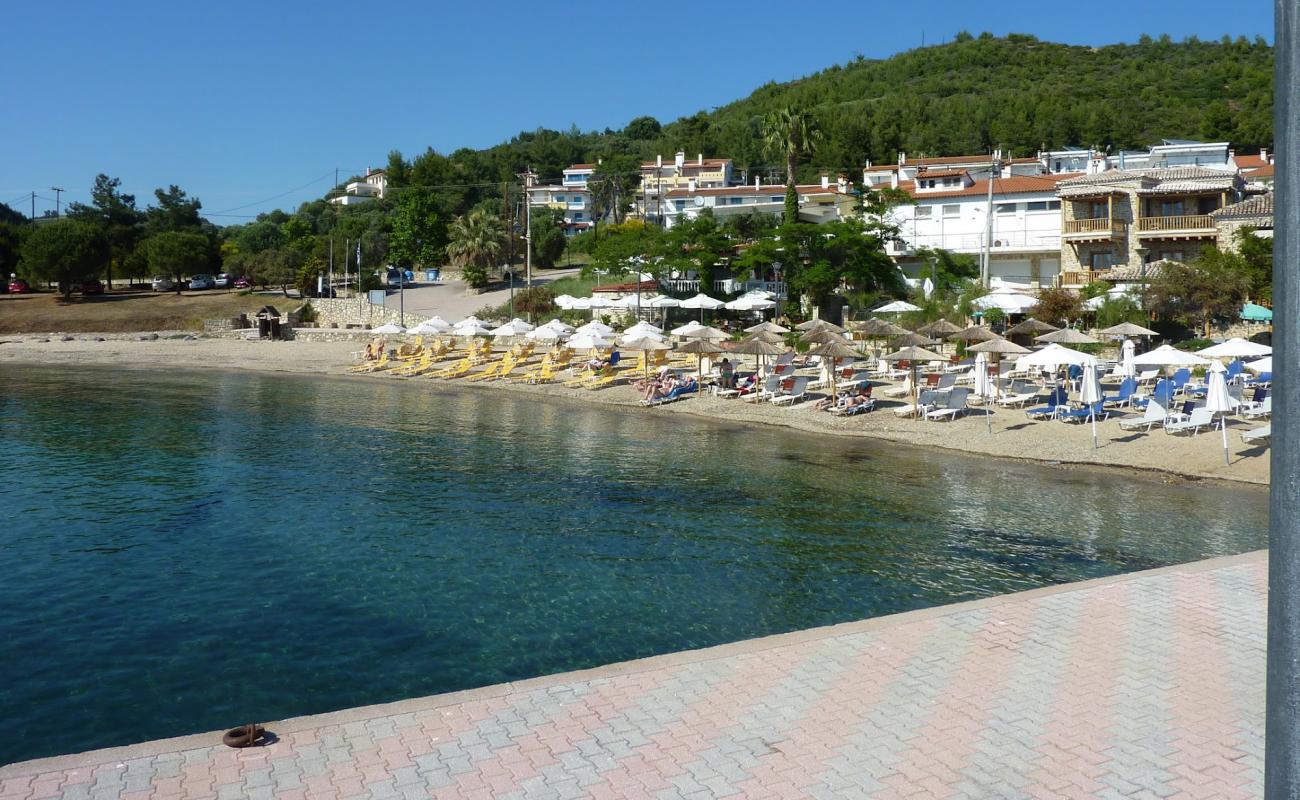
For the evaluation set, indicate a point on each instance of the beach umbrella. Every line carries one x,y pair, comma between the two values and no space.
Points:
564,301
595,326
629,301
975,333
429,326
644,344
818,325
914,340
1055,356
766,327
559,325
1264,364
468,328
634,336
1169,356
1236,348
770,338
877,327
545,334
468,321
750,303
1126,352
982,386
995,347
1066,336
589,341
1218,401
1090,394
896,307
703,302
1030,327
642,328
913,354
391,327
1010,303
822,336
701,348
694,330
830,352
1127,329
939,329
759,349
515,327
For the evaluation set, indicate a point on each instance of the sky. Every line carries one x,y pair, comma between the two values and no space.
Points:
251,106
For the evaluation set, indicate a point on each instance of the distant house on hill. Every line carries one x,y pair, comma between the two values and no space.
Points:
374,185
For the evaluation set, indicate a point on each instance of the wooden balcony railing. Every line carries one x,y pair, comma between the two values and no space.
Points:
1106,226
1081,277
1185,222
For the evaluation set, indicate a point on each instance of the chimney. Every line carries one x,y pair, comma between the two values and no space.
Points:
1263,155
690,185
679,160
659,161
902,158
757,182
699,159
826,181
867,165
893,179
842,183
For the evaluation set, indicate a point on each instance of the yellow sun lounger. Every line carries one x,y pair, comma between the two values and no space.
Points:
373,366
455,370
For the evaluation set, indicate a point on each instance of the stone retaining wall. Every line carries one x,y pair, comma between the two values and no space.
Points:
340,313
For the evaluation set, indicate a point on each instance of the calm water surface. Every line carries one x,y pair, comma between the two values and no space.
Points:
185,552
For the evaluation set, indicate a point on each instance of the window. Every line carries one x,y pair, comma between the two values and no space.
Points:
927,184
577,216
680,204
735,201
951,210
1172,255
559,198
1006,208
1171,208
1053,205
1037,205
923,212
1102,260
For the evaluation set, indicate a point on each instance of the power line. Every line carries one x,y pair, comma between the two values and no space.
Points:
276,197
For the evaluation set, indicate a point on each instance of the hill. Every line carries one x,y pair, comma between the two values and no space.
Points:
971,95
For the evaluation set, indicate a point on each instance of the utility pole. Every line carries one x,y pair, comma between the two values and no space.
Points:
58,190
528,232
33,216
986,266
1282,701
331,294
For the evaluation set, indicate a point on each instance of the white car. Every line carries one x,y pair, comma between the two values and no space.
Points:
163,284
225,281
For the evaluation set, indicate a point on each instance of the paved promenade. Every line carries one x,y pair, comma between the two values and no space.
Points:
1144,686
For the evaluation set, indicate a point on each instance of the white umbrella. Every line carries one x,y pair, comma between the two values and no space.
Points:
982,385
1127,350
643,328
545,334
630,338
595,326
564,301
470,320
694,330
896,307
662,301
702,302
1262,365
475,328
391,327
588,341
515,327
1168,356
1010,303
562,327
750,303
431,326
1218,401
1054,356
1236,348
628,301
1090,394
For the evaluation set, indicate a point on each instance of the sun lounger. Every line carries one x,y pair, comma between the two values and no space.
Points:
1199,418
954,406
1127,389
1262,410
856,408
796,392
1257,435
1020,394
925,401
1055,404
1085,414
1154,415
674,394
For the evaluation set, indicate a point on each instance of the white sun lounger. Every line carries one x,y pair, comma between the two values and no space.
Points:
1257,435
1200,418
796,393
955,406
1154,415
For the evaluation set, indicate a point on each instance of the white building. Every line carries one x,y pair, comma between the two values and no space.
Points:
951,213
374,185
659,178
823,202
570,197
1168,154
880,176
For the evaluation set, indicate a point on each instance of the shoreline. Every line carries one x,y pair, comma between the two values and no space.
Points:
1014,438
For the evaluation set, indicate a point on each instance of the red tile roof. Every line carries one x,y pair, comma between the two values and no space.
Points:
690,163
1251,162
940,173
749,190
980,159
1016,184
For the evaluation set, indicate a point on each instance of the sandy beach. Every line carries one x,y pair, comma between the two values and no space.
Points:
1056,444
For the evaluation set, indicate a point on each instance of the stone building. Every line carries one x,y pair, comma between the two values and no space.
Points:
1253,212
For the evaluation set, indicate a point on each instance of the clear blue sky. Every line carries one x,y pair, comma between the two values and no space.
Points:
238,102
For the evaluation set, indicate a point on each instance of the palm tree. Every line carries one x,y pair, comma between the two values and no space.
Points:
475,245
790,132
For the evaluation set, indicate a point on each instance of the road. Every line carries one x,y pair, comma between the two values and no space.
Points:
452,301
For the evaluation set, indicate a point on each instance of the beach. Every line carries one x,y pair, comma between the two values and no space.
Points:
1056,445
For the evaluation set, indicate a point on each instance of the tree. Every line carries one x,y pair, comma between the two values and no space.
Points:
175,211
65,252
475,245
790,133
694,245
419,237
642,128
1057,307
11,217
115,214
1256,262
948,270
177,253
1212,285
1116,309
280,267
11,246
620,249
613,186
548,237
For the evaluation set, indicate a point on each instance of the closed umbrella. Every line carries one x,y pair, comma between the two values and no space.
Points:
1218,401
982,386
996,347
1090,395
912,355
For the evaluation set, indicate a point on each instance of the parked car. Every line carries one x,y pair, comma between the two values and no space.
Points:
91,287
224,280
19,286
203,282
393,280
243,282
163,284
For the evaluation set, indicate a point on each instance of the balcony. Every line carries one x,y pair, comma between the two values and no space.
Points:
1189,225
1082,230
1077,279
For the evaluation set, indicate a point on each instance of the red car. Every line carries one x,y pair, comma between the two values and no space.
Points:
244,283
91,287
18,286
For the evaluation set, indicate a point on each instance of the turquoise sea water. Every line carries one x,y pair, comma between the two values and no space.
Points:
190,551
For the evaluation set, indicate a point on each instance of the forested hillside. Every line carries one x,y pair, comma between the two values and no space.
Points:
971,95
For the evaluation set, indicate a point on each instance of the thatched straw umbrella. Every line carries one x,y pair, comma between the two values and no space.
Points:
975,333
767,327
1126,329
818,324
1066,336
767,336
760,350
914,340
912,355
1030,327
939,329
701,348
834,350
